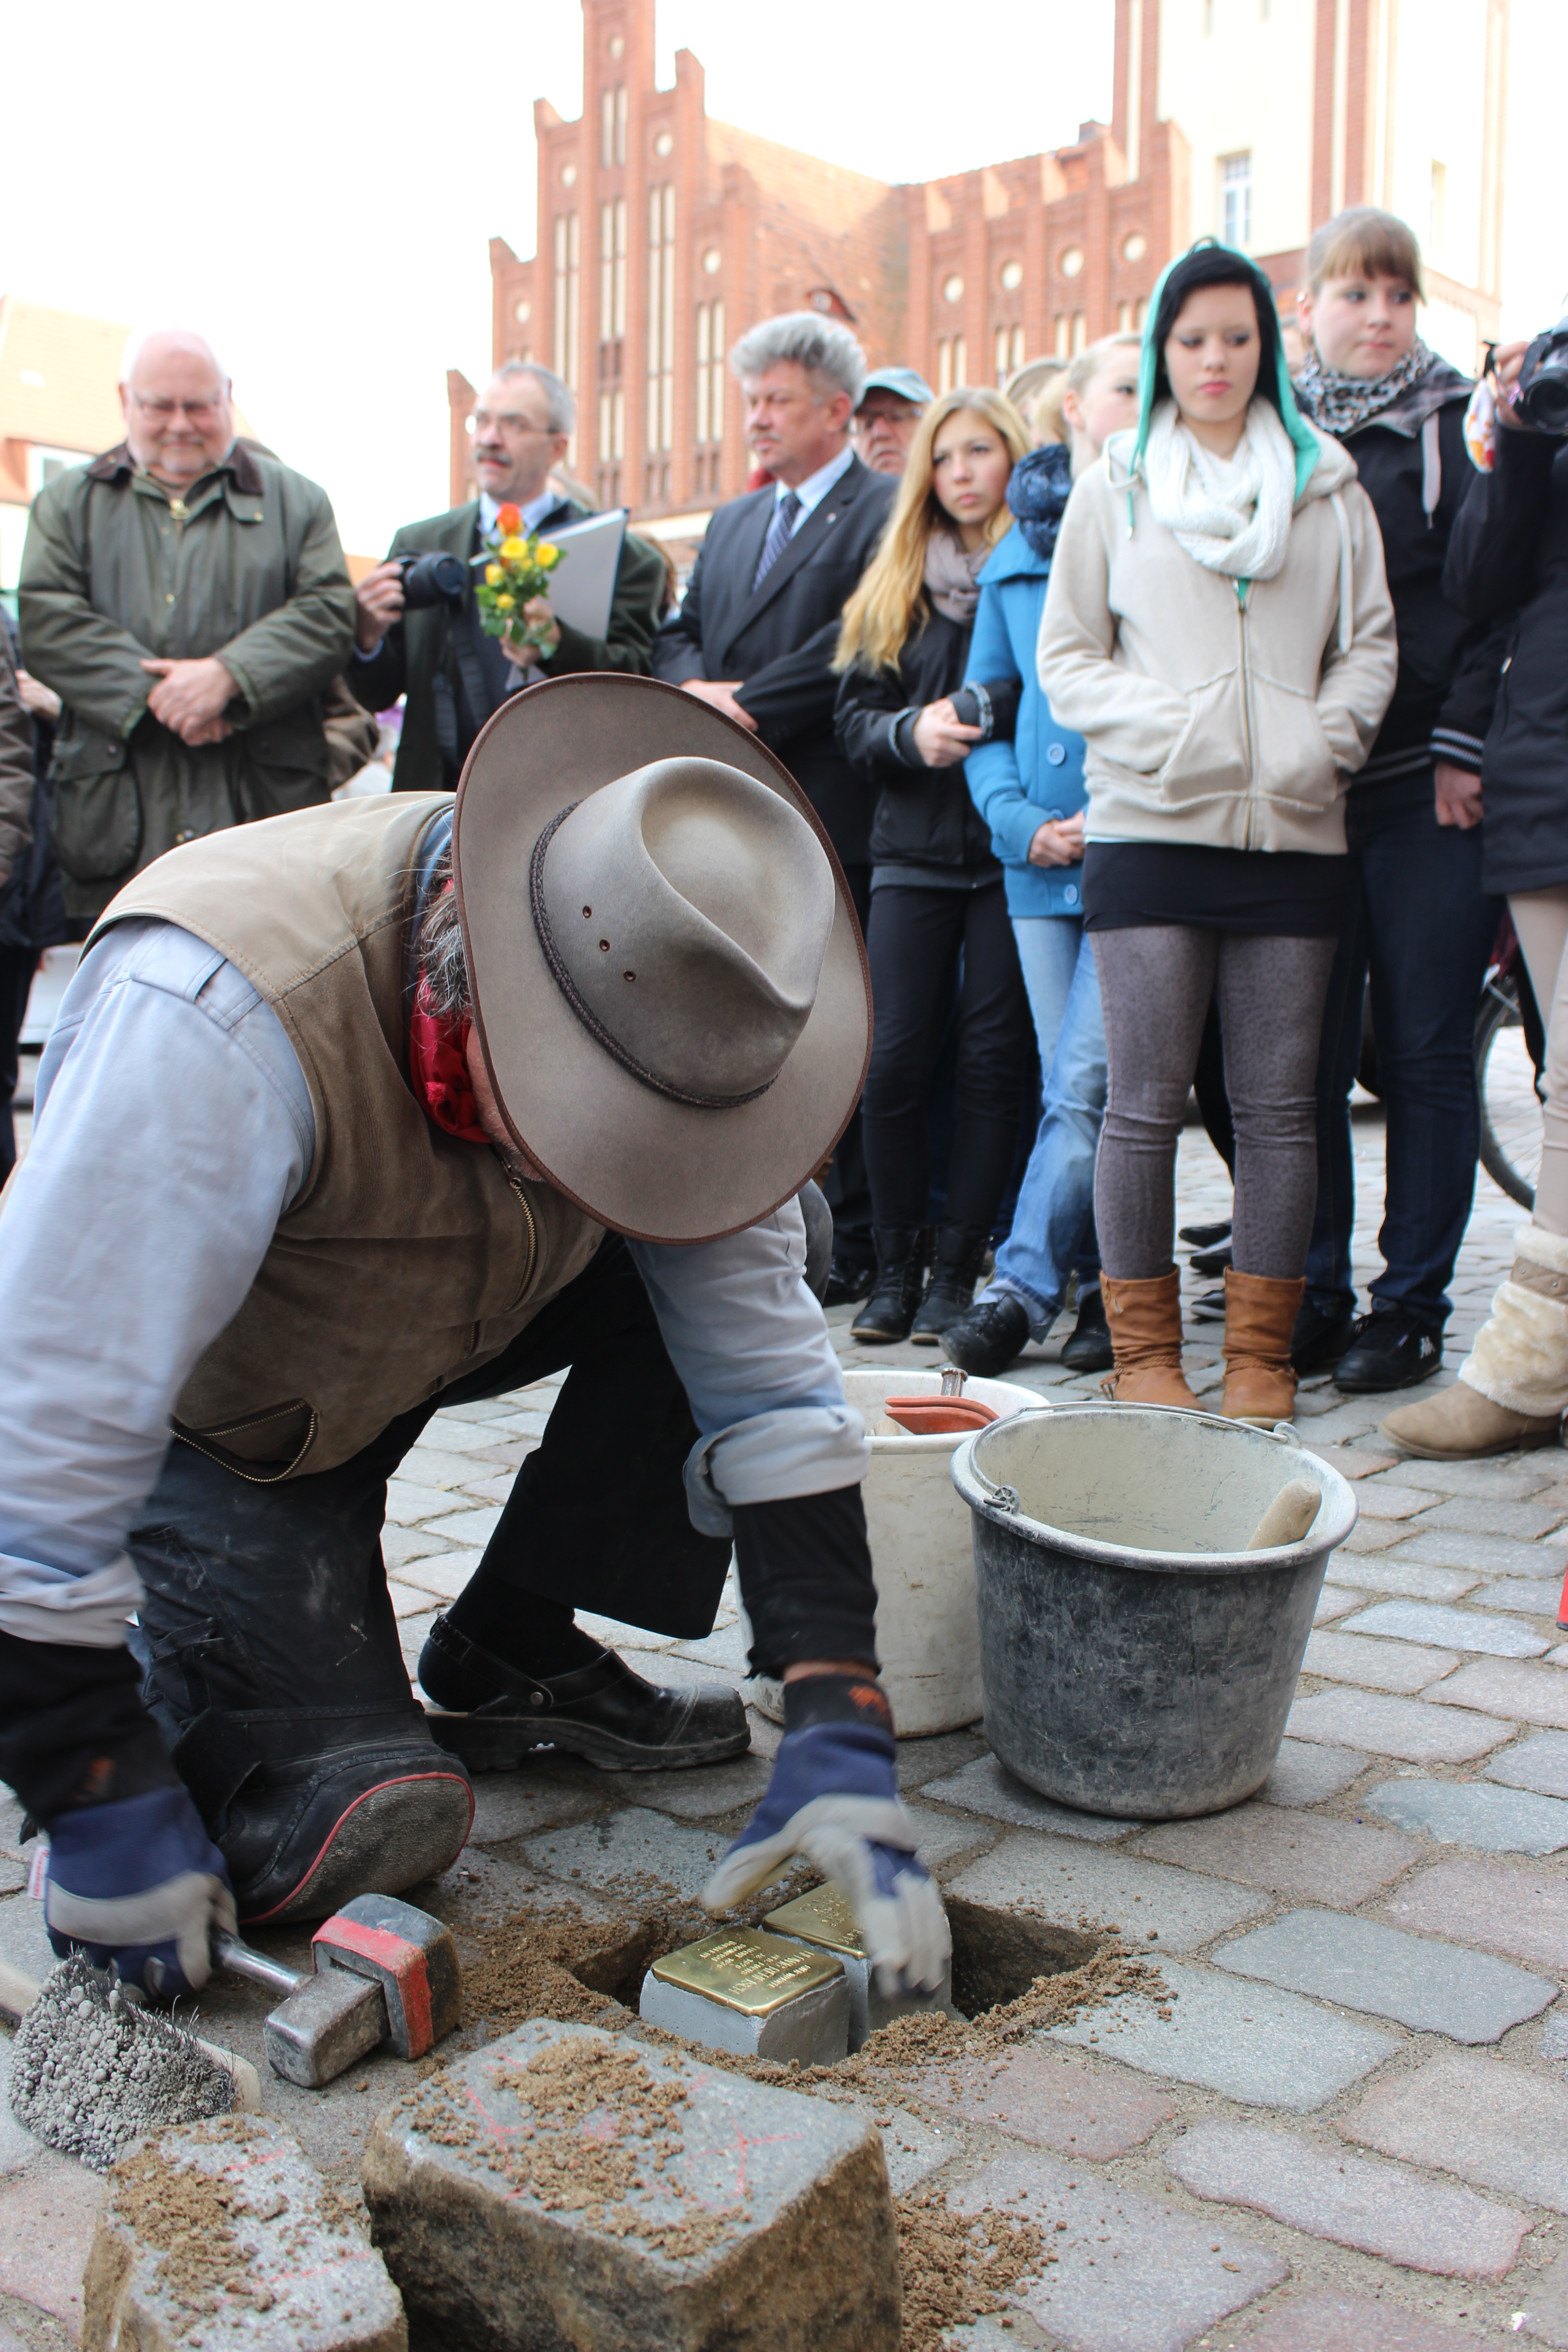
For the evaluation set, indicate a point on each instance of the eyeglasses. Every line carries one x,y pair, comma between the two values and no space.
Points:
483,420
163,412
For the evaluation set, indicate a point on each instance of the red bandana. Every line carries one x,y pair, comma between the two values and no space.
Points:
438,1071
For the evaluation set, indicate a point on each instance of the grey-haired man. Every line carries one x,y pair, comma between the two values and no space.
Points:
890,408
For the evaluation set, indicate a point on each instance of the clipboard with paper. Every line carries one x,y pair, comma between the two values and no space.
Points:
582,587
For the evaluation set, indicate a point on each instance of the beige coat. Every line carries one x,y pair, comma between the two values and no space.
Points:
1210,716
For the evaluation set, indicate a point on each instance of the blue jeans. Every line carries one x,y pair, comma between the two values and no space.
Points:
1053,1227
1420,922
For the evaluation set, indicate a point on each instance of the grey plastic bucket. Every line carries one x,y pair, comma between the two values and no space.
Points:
1137,1659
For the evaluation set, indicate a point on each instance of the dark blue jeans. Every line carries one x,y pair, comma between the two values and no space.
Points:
1421,924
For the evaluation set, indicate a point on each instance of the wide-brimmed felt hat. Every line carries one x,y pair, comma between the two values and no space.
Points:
670,983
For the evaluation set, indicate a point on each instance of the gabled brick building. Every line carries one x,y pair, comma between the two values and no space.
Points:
663,234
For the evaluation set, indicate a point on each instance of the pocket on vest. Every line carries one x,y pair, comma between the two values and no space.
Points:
98,808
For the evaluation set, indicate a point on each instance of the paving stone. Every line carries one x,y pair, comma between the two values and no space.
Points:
492,1486
913,2146
987,1787
1336,1600
1410,1728
1494,1905
408,1504
692,1796
1535,1596
921,1761
1355,1462
1554,2036
1499,1480
1489,2122
1355,2323
1491,1515
47,2214
1038,2095
1130,2276
1306,1775
443,1573
475,1527
1398,1571
1319,1857
634,1851
1545,2316
23,1939
1384,1498
400,1545
1539,1762
1474,1812
1532,1693
1481,1556
1372,1535
783,2201
1415,1980
1267,2048
615,1635
1414,1621
408,1599
725,1647
299,2272
434,1465
1403,1666
943,1836
1066,1881
1377,2208
519,1804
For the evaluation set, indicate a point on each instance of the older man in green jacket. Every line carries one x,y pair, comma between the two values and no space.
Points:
186,597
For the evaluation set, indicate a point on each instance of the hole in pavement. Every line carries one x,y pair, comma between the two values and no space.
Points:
997,1955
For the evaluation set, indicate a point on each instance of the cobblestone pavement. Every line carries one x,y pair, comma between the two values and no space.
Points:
1351,2133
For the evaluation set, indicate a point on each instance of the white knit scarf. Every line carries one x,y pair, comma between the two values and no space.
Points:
1231,514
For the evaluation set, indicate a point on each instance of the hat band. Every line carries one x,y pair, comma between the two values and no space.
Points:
584,1012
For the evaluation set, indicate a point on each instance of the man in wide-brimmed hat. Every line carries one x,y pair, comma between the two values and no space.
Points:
392,1106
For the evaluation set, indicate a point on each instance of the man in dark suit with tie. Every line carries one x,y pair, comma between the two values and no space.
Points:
756,634
454,676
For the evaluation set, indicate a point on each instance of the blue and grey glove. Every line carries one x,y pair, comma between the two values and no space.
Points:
140,1883
833,1801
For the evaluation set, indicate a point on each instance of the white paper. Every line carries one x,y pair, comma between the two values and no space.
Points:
583,586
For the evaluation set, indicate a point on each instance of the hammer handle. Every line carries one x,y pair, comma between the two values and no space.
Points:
238,1958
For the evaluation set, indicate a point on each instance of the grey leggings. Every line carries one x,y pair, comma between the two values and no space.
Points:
1155,984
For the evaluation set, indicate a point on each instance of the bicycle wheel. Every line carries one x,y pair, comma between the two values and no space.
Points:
1505,1085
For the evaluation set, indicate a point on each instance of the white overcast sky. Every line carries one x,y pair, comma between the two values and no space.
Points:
314,185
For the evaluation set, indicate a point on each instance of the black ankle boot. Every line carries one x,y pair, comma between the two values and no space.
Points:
888,1314
960,1254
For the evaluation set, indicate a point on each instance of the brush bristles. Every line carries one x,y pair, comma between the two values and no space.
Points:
91,2071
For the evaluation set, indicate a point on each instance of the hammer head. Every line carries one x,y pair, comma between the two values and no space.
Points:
409,1955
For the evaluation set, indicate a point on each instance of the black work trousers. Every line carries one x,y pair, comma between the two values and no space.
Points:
916,942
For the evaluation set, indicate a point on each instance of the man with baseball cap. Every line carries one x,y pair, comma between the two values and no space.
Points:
395,1104
894,401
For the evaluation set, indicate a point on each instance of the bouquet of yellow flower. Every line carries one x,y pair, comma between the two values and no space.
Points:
516,570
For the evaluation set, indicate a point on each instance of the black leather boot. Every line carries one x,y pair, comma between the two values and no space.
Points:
896,1293
960,1254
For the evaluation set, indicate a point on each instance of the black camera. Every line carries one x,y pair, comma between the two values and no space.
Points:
1544,381
433,580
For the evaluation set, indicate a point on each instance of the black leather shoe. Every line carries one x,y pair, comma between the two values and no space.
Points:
989,1338
1207,1263
960,1254
895,1297
1089,1349
1205,1237
849,1279
1321,1338
493,1715
1389,1349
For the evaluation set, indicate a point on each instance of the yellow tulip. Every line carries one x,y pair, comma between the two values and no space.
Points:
514,549
493,575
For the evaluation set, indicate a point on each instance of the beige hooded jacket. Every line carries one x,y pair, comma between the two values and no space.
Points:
1232,719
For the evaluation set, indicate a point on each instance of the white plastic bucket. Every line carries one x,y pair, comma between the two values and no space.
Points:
922,1553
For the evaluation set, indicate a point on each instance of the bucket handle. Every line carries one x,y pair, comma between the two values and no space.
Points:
1282,1429
1001,1498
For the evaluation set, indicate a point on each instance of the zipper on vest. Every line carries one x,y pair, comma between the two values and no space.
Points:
515,1181
1241,588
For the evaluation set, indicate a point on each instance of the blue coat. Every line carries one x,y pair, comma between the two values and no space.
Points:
1039,774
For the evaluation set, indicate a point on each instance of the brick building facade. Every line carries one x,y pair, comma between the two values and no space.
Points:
663,232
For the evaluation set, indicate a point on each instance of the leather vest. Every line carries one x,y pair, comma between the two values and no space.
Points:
408,1258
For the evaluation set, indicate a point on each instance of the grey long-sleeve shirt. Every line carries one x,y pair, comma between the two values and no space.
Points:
173,1128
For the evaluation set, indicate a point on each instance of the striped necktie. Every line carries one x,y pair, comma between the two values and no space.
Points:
778,536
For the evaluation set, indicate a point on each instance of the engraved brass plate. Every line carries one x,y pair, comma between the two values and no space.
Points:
744,1969
824,1918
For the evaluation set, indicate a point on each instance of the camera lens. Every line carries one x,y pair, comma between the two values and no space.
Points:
433,580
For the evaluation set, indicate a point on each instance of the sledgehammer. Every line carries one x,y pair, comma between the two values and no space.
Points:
385,1973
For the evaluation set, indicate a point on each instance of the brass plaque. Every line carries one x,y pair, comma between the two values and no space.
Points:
824,1918
746,1970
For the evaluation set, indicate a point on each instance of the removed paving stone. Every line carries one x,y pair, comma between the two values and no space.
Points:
1130,2276
1402,1666
1472,1812
987,1787
224,2234
1490,2123
569,2186
1377,2208
755,1995
1412,1729
1428,1986
1419,1621
1533,1693
1306,1775
1315,1856
1539,1762
1174,1909
1353,2323
1044,2096
1268,2049
1524,1913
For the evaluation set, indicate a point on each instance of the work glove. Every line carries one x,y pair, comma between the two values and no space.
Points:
833,1801
140,1883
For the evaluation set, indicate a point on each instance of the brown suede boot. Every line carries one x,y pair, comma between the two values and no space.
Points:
1259,1317
1145,1320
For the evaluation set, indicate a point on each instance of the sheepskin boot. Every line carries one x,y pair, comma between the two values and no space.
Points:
1259,1317
1145,1319
1512,1388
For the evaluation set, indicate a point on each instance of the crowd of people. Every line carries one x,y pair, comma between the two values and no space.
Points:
1149,715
